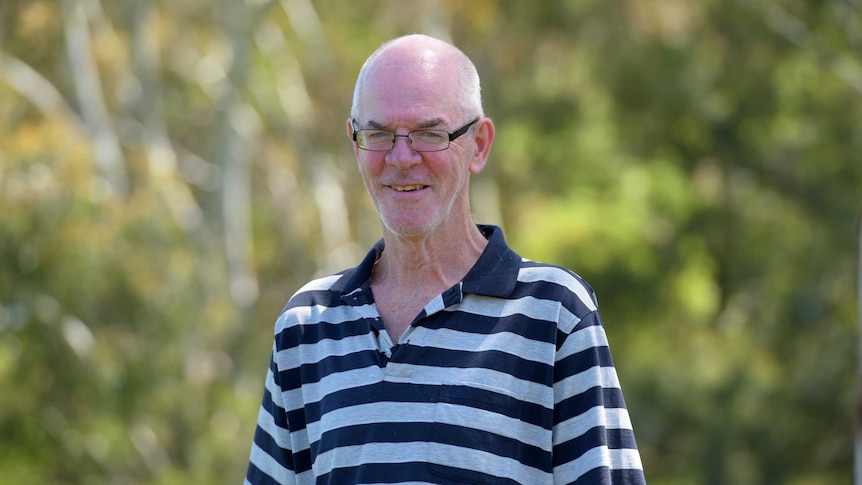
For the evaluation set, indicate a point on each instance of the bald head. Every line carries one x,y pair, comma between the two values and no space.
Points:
427,56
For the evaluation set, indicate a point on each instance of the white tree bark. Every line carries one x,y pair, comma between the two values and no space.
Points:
106,144
38,90
240,126
148,108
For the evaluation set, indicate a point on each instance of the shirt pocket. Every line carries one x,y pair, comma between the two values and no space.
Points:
473,438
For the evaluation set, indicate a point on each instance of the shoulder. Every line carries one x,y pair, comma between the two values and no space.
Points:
556,280
312,299
546,281
316,291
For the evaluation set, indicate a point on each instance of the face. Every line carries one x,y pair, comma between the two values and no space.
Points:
418,193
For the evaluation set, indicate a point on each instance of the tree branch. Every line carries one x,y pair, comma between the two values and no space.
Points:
109,156
37,89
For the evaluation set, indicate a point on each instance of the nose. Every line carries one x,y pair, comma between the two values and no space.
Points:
402,154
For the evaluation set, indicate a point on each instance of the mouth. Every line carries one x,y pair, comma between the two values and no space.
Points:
407,188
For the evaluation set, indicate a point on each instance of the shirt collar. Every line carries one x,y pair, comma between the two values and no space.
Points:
494,274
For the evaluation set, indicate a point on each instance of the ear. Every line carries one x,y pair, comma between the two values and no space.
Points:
483,138
350,137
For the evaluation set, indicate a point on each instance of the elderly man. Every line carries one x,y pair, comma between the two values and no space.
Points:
443,357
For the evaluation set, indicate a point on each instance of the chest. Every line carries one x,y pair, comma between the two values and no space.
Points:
429,374
445,346
462,371
398,308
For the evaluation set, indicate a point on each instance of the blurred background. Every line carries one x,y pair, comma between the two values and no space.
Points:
172,171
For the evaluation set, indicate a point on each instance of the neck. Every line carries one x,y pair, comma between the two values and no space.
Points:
435,260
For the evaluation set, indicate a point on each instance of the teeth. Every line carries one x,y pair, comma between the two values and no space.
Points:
406,188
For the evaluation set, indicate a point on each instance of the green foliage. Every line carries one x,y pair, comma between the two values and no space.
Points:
696,162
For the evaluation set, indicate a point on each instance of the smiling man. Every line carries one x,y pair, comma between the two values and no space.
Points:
443,357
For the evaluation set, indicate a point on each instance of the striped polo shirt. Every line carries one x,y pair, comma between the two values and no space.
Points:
504,378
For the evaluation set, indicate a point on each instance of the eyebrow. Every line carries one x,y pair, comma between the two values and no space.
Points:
429,123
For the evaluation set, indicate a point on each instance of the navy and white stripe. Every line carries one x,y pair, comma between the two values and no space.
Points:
505,378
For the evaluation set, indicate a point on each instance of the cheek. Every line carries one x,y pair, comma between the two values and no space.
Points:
459,171
370,171
367,167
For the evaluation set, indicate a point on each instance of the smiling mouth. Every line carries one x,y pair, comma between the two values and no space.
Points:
407,188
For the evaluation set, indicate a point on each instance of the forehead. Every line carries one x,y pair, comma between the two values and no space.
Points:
404,86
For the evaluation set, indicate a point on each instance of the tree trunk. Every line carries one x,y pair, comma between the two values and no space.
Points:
88,87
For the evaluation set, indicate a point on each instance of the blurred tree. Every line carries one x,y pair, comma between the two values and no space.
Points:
170,172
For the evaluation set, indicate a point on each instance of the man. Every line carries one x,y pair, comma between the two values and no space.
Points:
444,357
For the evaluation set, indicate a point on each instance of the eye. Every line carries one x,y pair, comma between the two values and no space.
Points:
430,136
377,135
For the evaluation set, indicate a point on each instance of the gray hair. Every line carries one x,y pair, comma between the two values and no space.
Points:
469,93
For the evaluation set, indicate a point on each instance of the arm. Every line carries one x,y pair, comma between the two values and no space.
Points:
593,441
271,461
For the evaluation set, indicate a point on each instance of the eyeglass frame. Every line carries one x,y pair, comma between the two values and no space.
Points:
452,136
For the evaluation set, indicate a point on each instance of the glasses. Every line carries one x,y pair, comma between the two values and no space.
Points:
419,140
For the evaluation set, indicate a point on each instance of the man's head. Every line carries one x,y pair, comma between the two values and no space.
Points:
420,88
433,51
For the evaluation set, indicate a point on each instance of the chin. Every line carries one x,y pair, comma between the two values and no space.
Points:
407,232
410,229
